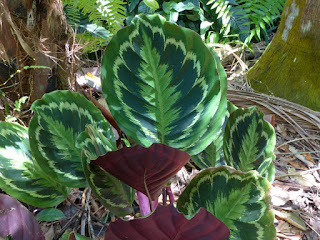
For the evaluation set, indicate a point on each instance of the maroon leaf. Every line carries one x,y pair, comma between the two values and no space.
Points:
17,221
167,223
141,167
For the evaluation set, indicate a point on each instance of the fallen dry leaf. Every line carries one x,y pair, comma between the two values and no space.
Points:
298,164
304,179
309,157
293,218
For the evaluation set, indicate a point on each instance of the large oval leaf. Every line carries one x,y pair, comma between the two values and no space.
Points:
59,118
111,192
167,223
249,142
17,221
20,175
163,85
240,200
147,170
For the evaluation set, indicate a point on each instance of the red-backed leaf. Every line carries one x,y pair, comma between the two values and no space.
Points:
141,167
167,223
17,221
271,118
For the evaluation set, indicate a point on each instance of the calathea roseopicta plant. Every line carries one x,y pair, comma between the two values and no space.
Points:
167,92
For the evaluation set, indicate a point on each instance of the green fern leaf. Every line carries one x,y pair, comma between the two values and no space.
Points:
102,13
253,13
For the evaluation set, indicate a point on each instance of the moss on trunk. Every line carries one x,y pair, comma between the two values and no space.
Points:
290,66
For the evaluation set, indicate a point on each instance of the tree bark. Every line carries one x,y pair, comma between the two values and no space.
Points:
290,66
35,33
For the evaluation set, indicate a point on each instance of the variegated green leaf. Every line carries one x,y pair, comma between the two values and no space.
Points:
249,142
96,141
238,199
59,118
163,85
111,192
20,176
213,156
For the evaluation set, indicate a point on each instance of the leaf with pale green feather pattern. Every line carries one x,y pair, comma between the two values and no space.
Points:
96,141
59,118
213,156
240,200
163,85
20,176
249,142
111,192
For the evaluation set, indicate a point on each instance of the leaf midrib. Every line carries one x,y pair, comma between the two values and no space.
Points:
158,99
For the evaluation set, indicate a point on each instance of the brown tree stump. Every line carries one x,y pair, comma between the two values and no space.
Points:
35,33
290,66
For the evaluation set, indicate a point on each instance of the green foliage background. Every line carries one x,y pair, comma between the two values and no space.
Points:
217,21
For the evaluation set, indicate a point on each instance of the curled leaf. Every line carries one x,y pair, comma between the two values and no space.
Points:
145,169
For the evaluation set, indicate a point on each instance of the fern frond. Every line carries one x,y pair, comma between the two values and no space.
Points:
114,11
222,9
251,16
109,14
73,14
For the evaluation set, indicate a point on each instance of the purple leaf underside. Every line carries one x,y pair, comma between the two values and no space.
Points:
145,169
167,223
17,221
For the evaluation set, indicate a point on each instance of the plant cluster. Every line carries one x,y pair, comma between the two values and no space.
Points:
218,21
167,92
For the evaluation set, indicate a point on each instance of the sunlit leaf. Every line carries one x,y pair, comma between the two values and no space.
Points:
153,4
20,175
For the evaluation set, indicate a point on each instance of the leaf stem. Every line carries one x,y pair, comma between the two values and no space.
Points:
144,204
147,191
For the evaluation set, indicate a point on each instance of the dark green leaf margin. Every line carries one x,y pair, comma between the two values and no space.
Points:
59,118
240,200
249,143
163,85
111,192
20,175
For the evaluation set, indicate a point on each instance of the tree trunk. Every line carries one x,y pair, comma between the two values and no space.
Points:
35,33
290,66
